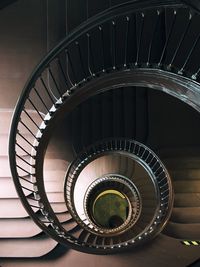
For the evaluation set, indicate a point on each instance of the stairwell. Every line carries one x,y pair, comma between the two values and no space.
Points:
128,112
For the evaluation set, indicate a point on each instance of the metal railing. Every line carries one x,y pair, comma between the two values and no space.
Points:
122,46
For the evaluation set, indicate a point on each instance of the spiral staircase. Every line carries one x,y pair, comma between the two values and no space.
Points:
104,144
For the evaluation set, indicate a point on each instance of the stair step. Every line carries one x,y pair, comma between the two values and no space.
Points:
59,207
185,215
169,250
54,176
183,163
18,248
54,187
178,152
70,225
63,217
56,197
7,188
185,174
5,170
187,200
55,164
187,186
4,167
4,145
6,116
18,228
12,208
183,231
4,141
5,119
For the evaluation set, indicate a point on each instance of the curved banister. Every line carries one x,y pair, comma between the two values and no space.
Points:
67,71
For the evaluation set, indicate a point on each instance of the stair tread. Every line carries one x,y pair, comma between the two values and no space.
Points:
4,145
7,188
4,141
185,215
12,208
54,187
56,197
24,247
187,200
175,152
18,228
182,163
54,175
5,170
6,116
185,174
189,231
58,164
59,207
187,186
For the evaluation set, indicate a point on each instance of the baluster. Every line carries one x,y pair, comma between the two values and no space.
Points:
168,37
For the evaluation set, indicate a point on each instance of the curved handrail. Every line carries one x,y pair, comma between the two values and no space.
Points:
43,94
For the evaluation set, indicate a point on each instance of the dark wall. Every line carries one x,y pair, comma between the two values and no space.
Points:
27,29
80,10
